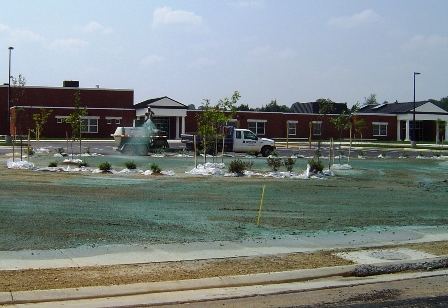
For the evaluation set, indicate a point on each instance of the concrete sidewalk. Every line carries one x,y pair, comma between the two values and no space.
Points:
223,287
133,254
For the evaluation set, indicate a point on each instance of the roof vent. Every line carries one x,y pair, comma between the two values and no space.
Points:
70,83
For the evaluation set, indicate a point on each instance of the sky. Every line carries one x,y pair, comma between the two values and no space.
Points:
284,50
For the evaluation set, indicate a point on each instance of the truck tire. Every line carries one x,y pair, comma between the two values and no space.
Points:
128,149
266,150
142,150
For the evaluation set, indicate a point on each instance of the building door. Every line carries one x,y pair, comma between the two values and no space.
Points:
418,130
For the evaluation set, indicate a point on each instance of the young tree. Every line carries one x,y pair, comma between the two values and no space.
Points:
360,125
17,99
212,117
440,128
344,121
39,120
75,120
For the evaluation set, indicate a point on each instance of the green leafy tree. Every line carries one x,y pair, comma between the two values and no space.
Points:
371,100
326,106
345,119
442,103
274,107
75,120
211,119
244,107
39,121
360,125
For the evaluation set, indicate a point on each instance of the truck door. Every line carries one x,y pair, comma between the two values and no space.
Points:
237,141
245,141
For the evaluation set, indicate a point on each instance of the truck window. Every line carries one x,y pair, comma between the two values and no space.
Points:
250,135
238,134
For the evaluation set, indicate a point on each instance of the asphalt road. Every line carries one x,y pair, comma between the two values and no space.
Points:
106,147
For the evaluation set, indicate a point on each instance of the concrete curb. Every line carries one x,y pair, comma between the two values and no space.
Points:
38,296
85,293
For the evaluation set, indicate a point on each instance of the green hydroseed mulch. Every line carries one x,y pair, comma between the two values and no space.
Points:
51,210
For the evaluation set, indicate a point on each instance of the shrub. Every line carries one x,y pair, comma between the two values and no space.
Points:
274,153
87,150
104,166
361,153
237,166
251,153
155,168
436,153
158,150
29,151
82,163
289,163
130,165
315,166
248,164
274,163
53,164
59,150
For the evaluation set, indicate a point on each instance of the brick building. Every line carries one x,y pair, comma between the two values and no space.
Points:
106,109
110,108
296,126
387,122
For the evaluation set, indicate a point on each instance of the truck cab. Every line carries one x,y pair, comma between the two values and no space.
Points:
235,140
245,140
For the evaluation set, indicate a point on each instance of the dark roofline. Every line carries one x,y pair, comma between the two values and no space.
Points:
153,100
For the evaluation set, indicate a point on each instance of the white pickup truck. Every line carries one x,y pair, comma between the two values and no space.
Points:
236,140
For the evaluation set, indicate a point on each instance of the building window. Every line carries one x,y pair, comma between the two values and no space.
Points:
60,119
110,119
89,125
379,128
317,128
257,126
292,128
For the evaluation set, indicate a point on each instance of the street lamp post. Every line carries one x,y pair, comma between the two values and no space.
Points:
414,141
8,138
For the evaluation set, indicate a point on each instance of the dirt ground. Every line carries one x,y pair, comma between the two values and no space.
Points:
41,279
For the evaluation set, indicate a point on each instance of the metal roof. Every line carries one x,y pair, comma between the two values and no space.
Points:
313,108
392,108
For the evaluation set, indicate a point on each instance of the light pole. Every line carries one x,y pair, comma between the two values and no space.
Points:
414,141
8,135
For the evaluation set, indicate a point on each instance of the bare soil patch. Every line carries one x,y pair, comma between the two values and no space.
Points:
41,279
